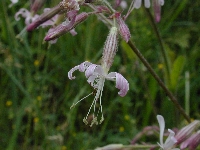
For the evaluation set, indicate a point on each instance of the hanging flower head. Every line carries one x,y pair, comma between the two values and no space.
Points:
170,141
97,74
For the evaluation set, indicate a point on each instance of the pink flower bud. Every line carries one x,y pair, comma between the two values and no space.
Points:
62,29
123,29
157,9
192,142
44,17
187,131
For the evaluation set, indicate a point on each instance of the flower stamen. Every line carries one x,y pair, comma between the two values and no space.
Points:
73,105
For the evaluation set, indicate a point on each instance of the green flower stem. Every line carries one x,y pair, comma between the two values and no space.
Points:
170,95
157,33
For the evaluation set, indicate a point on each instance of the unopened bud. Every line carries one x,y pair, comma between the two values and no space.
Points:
44,17
62,29
110,49
157,9
192,142
37,4
123,28
187,131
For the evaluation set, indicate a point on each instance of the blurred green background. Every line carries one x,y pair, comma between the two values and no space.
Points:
36,93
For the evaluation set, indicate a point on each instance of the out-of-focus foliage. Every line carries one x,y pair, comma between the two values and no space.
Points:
36,93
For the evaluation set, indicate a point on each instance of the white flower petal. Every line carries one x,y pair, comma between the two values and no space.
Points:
99,71
90,70
170,141
122,84
83,66
137,4
14,1
161,122
161,2
71,71
46,9
27,15
111,76
28,20
73,32
147,3
24,12
92,82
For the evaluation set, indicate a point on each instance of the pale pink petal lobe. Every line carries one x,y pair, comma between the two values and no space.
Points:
122,84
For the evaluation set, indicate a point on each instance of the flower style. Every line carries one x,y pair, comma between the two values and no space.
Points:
171,140
97,74
29,18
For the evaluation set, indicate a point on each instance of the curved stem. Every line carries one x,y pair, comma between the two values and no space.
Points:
164,53
169,94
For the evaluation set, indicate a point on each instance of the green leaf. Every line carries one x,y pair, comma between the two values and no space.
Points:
129,52
176,71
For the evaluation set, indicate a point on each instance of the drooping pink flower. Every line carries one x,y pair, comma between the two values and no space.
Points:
96,77
97,74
